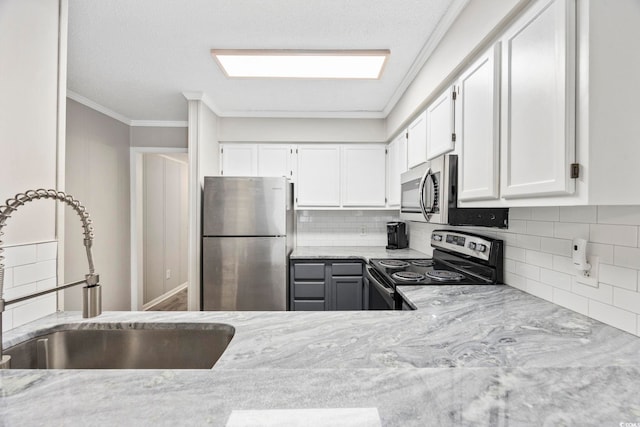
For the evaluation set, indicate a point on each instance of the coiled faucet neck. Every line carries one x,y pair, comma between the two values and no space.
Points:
11,205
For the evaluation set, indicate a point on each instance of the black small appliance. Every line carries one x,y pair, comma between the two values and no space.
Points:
397,235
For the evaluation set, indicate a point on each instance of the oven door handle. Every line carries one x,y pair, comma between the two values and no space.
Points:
379,286
421,189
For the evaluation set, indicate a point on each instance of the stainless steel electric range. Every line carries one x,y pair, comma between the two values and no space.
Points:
459,258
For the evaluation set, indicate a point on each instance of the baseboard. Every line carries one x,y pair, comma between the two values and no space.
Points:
148,306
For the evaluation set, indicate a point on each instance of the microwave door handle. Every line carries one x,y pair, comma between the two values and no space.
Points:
421,190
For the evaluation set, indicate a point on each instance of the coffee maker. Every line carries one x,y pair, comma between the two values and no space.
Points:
397,235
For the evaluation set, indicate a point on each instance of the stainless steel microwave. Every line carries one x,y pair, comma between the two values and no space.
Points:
429,193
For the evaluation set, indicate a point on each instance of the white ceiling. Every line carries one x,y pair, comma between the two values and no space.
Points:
137,57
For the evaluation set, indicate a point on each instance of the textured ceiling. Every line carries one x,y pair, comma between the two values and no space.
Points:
137,57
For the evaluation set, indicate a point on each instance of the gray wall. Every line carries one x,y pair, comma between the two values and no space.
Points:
97,173
145,136
165,225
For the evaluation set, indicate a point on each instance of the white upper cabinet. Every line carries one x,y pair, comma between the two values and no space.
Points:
538,102
440,125
275,160
318,175
417,141
238,159
363,175
478,128
396,165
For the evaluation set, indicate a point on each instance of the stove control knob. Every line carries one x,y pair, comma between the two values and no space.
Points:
437,237
472,246
481,248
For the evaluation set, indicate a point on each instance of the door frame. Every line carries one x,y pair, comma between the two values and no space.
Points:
136,219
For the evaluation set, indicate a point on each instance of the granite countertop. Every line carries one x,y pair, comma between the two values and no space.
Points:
364,253
469,355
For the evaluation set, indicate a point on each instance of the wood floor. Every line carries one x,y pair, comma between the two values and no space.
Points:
178,302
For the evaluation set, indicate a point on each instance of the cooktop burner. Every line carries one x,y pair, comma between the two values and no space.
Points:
444,275
422,262
394,263
408,276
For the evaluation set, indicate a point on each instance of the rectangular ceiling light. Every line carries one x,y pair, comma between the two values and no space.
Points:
302,64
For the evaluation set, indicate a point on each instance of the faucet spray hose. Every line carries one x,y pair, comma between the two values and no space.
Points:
11,205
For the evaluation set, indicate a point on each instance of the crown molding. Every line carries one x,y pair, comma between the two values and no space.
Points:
305,114
430,45
119,117
160,123
100,108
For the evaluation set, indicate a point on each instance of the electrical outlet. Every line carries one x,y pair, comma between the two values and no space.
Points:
590,278
168,275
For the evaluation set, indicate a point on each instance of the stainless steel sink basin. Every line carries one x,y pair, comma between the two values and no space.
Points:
170,346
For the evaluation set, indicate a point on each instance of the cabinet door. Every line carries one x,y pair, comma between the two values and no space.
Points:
363,175
347,293
396,165
238,159
275,160
440,127
477,128
538,102
417,141
318,175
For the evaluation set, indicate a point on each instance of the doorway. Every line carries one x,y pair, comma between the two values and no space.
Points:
159,229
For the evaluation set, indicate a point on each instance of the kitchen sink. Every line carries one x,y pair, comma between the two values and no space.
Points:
151,346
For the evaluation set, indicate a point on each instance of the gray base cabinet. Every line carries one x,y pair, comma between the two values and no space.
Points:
320,285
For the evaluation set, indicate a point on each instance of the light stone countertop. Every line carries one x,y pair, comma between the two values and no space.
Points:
469,355
364,253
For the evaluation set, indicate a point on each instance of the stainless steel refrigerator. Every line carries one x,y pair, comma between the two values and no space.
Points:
248,232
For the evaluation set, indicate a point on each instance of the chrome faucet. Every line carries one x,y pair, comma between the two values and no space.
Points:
91,293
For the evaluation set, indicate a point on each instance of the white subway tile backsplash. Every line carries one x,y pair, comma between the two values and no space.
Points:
516,254
25,274
509,265
19,255
555,279
540,228
527,270
8,277
614,316
551,213
343,228
563,264
529,242
569,230
623,235
627,300
603,293
620,277
34,309
519,213
585,214
517,226
515,281
540,290
626,257
20,291
47,251
539,259
557,246
603,252
629,215
571,301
